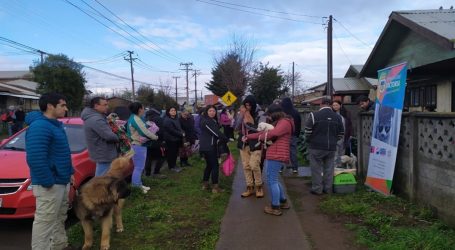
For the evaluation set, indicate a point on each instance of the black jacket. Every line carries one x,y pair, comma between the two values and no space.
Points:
323,129
188,126
289,109
172,130
211,135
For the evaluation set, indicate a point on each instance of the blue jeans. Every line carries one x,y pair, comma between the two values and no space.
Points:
102,168
140,154
275,188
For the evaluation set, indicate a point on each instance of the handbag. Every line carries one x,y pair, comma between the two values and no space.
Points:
228,165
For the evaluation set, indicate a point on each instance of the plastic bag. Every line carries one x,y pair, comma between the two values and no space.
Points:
228,165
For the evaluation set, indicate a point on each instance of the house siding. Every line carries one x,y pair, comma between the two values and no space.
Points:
444,97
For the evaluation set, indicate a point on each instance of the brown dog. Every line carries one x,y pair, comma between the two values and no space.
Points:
101,198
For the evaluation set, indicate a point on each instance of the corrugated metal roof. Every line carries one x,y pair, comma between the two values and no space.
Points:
441,22
15,90
21,83
349,84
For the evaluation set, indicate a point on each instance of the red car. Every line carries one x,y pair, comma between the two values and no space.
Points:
16,196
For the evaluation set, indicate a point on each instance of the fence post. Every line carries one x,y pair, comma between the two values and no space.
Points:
360,147
413,150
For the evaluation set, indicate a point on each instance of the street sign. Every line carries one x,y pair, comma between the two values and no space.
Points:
229,98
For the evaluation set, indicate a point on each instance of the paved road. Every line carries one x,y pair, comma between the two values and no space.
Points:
15,234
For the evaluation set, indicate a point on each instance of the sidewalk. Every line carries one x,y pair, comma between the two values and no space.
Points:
246,226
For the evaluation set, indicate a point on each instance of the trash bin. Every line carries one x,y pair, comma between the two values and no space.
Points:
344,183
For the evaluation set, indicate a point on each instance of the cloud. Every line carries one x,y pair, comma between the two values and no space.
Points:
311,57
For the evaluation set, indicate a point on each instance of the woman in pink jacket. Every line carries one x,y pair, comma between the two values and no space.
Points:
277,154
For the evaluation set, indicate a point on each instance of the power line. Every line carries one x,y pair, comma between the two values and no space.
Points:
260,14
267,10
342,50
109,59
37,51
121,28
115,31
135,30
355,37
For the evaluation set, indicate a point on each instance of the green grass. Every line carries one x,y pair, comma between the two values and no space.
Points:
382,222
174,214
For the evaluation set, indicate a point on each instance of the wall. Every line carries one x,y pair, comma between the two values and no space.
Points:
425,167
444,97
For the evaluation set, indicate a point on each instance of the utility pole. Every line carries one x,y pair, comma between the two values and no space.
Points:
196,72
293,83
187,68
131,59
176,77
329,59
42,55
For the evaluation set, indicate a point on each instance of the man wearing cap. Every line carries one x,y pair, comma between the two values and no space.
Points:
323,129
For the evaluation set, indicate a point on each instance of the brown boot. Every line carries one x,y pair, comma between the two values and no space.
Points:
216,189
273,210
205,185
249,191
259,191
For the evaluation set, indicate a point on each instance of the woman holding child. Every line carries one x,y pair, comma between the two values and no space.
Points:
277,154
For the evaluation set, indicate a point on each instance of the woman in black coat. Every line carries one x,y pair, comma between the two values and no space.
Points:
210,141
173,136
187,124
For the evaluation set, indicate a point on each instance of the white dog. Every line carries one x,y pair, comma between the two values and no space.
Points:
263,126
350,161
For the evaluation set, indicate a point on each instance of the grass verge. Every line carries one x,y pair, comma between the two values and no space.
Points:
382,222
174,214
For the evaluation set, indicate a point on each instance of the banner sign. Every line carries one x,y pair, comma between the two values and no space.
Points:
386,127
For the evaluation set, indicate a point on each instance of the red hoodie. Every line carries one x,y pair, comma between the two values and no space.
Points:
281,134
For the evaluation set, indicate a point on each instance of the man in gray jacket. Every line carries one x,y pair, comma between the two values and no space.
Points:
101,141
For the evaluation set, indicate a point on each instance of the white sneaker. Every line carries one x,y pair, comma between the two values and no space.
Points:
145,188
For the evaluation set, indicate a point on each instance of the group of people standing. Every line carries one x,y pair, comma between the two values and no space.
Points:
13,119
153,139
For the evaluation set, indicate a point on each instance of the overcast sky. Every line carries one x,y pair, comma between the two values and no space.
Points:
165,33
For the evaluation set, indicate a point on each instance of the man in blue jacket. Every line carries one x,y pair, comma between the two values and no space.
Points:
49,160
322,130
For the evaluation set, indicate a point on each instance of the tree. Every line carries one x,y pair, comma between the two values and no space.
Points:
233,68
60,74
268,83
149,98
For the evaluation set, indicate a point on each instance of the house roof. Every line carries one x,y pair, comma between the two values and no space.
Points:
4,87
18,74
353,70
431,30
24,84
350,85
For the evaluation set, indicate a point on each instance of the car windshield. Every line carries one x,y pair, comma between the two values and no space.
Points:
75,134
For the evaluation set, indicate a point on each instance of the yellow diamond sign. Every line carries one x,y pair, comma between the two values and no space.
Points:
229,98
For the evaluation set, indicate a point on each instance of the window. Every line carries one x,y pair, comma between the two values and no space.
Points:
430,96
421,96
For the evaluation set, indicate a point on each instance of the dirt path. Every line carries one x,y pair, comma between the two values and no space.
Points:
322,231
